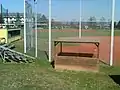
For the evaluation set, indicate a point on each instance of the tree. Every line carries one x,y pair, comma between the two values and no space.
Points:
1,20
74,24
102,22
92,22
38,17
44,18
17,23
115,24
52,23
71,24
118,25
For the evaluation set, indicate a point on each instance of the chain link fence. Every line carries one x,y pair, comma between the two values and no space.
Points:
3,14
30,27
96,24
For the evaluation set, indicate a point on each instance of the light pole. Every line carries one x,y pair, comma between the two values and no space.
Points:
50,37
80,33
112,33
35,4
24,26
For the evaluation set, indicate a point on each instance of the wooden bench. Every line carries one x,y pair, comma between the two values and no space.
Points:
71,61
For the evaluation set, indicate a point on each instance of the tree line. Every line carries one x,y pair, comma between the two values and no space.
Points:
103,23
92,22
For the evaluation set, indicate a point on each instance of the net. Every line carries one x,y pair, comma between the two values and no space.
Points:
3,14
42,29
116,56
65,24
30,27
96,23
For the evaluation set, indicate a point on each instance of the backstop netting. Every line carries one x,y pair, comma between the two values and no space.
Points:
96,23
116,56
30,27
65,23
42,29
3,14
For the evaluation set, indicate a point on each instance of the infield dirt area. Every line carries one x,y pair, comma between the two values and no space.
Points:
104,49
105,43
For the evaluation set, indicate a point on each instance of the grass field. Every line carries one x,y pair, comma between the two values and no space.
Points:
43,37
41,76
74,33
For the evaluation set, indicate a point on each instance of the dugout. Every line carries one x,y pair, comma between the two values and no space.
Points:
10,34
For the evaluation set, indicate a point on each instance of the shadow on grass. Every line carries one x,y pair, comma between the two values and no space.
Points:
115,78
53,64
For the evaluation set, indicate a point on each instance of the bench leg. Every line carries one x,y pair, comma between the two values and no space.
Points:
97,45
60,47
98,52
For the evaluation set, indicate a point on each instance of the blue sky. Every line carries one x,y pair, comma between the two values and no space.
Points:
69,9
43,7
13,5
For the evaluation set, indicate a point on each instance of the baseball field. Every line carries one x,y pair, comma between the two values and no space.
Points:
103,35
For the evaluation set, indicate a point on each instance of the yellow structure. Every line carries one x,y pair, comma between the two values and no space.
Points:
2,40
4,34
10,34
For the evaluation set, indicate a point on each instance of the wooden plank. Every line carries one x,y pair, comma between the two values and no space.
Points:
76,40
71,60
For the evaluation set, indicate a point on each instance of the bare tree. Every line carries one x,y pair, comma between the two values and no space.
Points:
18,20
118,25
102,22
92,22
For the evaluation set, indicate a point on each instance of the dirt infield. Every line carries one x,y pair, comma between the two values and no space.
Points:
104,45
104,48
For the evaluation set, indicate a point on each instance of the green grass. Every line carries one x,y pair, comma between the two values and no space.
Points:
110,70
19,45
43,36
73,34
41,76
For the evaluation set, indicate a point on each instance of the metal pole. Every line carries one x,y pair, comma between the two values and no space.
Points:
30,25
112,33
35,2
24,28
50,38
1,16
36,28
80,21
7,18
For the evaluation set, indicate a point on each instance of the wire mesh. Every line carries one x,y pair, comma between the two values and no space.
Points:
96,24
30,27
42,28
116,51
65,23
3,14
